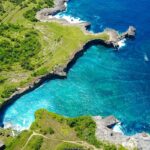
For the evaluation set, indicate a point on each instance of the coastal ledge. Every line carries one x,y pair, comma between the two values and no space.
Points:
48,15
104,131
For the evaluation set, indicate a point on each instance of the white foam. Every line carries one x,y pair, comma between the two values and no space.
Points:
146,58
7,125
122,43
118,128
68,18
13,133
24,121
17,127
66,4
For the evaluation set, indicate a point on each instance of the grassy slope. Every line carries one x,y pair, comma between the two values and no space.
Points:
58,43
67,133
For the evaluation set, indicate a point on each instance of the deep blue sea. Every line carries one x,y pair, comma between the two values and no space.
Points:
102,81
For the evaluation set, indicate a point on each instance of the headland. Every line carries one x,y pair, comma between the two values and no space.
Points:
109,38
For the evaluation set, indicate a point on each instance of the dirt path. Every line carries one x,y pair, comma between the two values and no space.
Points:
81,143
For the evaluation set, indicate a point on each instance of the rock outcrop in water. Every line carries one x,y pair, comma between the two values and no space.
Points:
130,33
115,37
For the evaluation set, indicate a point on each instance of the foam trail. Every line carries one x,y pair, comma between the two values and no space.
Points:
9,125
118,128
68,18
66,4
146,58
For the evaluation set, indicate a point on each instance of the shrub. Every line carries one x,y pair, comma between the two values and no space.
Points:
30,14
18,142
17,50
39,72
35,143
8,91
85,128
69,146
50,130
2,79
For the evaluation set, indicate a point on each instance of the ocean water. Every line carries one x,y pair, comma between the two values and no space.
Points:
102,81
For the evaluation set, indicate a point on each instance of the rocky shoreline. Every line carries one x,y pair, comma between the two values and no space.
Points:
48,15
61,71
105,132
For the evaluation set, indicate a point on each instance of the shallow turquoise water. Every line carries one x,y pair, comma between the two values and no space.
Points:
102,81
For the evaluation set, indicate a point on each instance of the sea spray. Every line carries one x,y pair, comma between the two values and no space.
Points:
146,57
118,128
68,18
122,43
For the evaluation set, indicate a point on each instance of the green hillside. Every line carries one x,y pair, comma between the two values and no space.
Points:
29,48
54,132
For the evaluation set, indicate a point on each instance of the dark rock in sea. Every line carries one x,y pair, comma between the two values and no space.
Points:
130,33
110,121
115,37
87,25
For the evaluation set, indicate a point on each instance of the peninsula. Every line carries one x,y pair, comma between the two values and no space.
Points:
51,53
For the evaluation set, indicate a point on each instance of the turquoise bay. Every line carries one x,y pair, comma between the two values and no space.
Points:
102,81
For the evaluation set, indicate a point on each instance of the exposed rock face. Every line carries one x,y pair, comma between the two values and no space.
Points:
2,145
130,33
59,5
110,121
104,132
115,37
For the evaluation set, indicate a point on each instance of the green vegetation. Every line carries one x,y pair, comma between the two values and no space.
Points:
30,14
29,48
30,7
8,90
18,142
17,49
64,146
35,143
54,132
85,129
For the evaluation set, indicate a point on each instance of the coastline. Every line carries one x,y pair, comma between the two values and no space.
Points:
48,15
59,73
105,132
62,71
